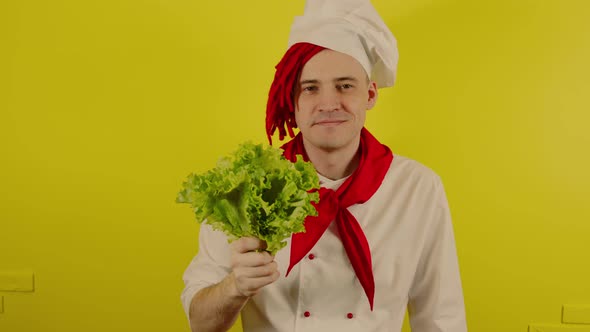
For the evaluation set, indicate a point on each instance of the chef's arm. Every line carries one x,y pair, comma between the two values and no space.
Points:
217,307
436,297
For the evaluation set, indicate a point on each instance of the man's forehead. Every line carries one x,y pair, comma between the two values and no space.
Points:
332,65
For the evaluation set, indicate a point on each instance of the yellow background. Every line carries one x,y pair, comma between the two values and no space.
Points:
106,106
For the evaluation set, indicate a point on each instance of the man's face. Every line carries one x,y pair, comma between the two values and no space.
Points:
332,98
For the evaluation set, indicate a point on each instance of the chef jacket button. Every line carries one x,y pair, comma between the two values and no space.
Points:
307,314
311,256
349,315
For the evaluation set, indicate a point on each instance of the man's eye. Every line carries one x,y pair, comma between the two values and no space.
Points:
310,88
345,86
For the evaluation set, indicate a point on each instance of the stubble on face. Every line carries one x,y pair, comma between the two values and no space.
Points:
332,99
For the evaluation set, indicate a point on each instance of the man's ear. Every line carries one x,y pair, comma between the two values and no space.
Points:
373,94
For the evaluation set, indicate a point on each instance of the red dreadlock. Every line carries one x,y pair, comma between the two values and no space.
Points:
280,108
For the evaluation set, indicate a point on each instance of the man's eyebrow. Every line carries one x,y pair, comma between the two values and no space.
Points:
309,82
345,78
338,79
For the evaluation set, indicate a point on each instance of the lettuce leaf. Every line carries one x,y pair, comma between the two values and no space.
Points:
254,192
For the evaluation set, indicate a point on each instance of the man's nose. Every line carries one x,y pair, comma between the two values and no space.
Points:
329,100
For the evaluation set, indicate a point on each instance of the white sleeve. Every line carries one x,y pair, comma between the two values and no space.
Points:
208,267
436,298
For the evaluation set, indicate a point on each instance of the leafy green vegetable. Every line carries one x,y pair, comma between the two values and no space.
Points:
255,192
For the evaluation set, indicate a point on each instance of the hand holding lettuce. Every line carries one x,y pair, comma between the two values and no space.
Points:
255,192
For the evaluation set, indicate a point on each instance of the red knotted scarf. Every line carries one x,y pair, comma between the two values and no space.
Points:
375,159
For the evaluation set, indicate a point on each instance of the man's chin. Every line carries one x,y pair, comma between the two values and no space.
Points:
329,144
329,139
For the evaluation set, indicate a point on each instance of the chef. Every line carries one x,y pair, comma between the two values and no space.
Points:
383,241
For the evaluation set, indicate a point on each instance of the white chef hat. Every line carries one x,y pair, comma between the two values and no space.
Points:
351,27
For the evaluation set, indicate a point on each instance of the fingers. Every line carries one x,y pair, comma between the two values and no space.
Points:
251,286
259,271
244,254
251,259
252,270
246,244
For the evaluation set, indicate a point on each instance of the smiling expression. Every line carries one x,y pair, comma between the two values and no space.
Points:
332,98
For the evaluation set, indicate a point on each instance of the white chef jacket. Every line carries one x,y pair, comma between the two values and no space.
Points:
408,227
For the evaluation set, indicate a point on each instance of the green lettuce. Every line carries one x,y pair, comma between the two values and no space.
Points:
254,192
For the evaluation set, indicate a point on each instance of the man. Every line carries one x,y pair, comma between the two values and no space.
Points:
383,240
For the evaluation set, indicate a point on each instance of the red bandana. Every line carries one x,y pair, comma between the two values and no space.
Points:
375,159
280,107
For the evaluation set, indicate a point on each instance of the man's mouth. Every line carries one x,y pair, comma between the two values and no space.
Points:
329,122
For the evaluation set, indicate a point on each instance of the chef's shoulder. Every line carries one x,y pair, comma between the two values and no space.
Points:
410,175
